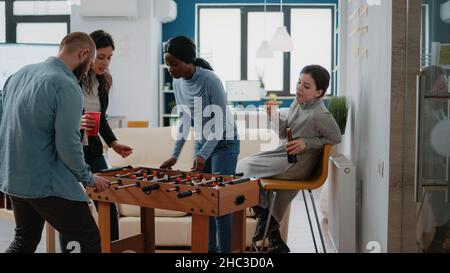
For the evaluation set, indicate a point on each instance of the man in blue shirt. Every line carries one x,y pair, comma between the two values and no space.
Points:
41,156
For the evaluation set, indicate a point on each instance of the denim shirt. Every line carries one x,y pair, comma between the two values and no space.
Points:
40,150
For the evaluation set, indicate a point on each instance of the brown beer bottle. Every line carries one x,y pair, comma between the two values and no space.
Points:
291,158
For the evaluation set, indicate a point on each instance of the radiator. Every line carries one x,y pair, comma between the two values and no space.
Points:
341,204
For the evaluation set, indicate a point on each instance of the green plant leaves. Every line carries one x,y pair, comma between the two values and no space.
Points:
339,109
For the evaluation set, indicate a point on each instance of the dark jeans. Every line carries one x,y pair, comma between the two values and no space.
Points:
72,219
223,160
97,164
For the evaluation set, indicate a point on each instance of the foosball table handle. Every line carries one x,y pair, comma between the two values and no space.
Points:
188,193
148,189
239,181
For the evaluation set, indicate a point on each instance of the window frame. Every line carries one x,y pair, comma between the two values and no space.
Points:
246,8
12,20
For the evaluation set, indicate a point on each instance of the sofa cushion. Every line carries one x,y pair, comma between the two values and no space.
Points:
134,211
151,146
168,231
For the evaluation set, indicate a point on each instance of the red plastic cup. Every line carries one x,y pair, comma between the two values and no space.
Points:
94,116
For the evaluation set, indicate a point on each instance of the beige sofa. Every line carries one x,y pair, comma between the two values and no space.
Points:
154,145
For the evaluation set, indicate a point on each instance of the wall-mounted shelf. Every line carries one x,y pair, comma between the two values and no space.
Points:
166,98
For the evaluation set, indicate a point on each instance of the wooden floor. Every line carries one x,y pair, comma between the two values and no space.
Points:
299,238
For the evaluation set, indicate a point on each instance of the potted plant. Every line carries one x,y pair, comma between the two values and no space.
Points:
339,109
262,86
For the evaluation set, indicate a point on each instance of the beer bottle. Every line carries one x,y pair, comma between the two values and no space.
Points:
291,158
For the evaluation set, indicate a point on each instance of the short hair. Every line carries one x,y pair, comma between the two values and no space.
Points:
77,40
320,75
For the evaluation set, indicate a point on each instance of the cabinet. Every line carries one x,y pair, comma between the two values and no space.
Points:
166,98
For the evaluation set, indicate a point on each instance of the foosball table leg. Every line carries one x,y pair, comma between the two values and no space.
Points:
8,204
199,229
2,200
148,229
239,231
50,238
104,226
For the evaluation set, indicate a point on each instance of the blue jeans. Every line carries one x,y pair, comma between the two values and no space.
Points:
97,164
223,160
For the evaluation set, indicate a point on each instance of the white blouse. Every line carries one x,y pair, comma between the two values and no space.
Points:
91,99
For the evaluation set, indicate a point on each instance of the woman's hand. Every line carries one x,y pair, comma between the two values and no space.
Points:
199,164
87,123
295,147
168,163
121,149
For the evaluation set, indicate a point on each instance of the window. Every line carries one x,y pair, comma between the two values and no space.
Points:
36,22
313,45
221,41
236,46
270,70
40,33
41,8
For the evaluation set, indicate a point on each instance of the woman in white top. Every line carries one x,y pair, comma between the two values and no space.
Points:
96,86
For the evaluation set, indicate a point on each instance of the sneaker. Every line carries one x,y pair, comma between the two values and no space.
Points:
276,243
261,226
259,211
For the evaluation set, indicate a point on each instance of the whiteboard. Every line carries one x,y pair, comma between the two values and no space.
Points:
15,56
243,90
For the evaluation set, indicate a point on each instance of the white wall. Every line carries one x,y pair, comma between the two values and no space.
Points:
134,66
367,83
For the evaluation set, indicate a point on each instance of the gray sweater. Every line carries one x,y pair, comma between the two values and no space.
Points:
311,122
202,104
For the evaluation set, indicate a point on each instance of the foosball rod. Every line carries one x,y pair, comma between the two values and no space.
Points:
115,182
176,188
167,178
137,184
202,183
129,174
146,176
116,169
235,181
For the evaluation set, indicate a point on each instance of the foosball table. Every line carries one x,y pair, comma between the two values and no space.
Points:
202,195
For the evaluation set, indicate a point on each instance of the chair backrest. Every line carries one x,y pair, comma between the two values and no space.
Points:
138,124
321,170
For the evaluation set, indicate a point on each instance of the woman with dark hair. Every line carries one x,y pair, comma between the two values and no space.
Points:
202,102
312,127
96,86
